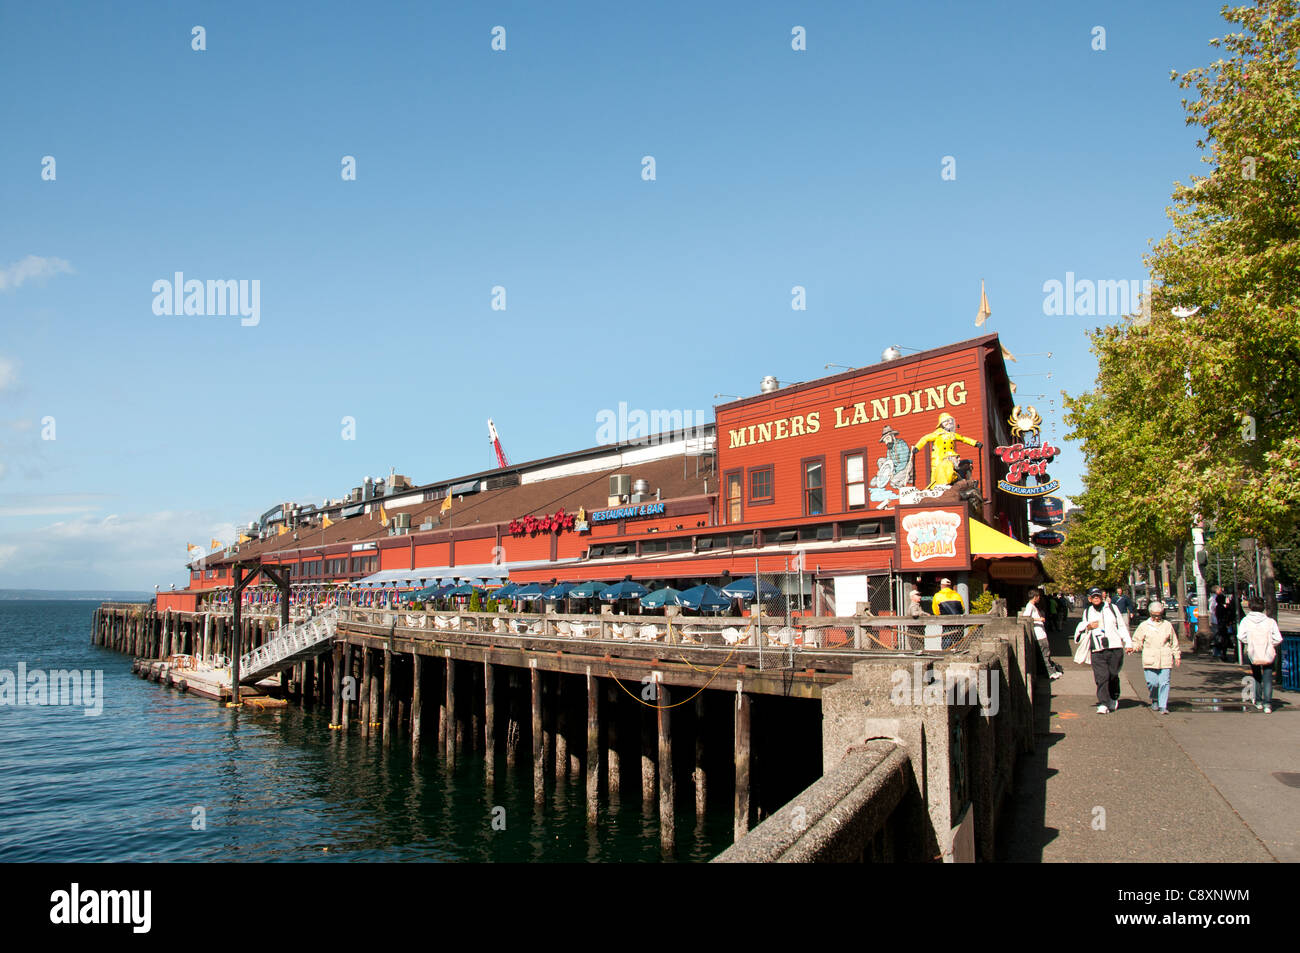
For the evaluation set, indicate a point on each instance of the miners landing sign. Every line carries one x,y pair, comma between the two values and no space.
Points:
933,538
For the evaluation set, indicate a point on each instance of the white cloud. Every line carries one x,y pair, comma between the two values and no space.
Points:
8,374
31,268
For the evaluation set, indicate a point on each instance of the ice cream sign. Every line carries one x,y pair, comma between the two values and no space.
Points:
931,534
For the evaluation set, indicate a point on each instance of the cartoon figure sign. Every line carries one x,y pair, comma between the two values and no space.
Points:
1027,458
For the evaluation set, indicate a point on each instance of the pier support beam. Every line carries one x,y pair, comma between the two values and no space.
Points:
451,710
535,678
489,720
701,787
363,710
337,714
514,722
373,713
417,703
388,696
647,716
345,673
742,762
614,776
667,782
561,731
593,746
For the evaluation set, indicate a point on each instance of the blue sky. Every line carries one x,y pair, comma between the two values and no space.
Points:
522,168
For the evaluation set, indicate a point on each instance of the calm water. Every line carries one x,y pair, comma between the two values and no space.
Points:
279,785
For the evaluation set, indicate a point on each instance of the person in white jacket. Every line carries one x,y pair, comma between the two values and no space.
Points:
1034,612
1260,637
1104,627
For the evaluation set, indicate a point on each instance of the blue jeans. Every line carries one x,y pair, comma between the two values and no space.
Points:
1158,686
1263,683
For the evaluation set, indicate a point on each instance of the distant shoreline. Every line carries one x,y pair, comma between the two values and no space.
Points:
74,595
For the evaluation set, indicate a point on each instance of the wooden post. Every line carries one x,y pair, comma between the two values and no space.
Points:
339,714
417,702
489,720
346,674
667,783
614,779
561,730
742,762
373,714
234,648
648,754
363,709
538,777
451,709
475,719
701,790
514,724
593,746
388,695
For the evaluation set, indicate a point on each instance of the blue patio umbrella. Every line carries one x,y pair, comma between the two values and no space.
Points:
465,589
442,591
627,589
506,591
705,597
661,597
586,590
748,589
532,590
560,591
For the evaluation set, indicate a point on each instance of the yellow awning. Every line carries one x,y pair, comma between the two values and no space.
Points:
988,543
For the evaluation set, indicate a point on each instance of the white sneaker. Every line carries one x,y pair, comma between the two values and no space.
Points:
1054,676
1103,710
1259,706
1114,705
1268,709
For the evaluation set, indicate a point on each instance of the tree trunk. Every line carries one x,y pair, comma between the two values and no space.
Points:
1180,554
1270,579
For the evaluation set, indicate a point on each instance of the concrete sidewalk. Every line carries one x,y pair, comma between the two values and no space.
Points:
1214,780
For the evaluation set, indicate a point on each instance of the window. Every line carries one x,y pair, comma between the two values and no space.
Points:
855,481
760,484
814,486
735,493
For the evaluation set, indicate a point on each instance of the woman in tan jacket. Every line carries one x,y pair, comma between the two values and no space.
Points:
1156,638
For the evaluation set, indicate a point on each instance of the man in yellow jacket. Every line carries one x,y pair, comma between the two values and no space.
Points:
947,601
943,454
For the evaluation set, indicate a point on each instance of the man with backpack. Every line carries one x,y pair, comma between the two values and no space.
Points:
1260,637
1107,633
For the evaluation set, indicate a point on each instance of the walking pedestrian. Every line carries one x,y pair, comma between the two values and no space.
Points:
1034,612
1124,604
1260,637
1156,639
1108,637
1218,623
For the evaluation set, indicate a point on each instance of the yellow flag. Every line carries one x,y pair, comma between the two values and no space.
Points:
243,538
446,504
191,548
383,515
1007,355
326,521
282,530
215,544
984,311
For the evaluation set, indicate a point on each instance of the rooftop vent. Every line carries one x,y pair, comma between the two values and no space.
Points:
769,384
891,353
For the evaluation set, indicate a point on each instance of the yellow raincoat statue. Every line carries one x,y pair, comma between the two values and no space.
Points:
943,455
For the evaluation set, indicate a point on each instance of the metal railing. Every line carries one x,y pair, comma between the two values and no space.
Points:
793,634
295,640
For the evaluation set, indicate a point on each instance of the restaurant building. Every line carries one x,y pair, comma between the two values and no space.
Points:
853,487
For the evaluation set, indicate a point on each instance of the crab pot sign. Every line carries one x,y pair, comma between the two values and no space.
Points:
1027,458
933,538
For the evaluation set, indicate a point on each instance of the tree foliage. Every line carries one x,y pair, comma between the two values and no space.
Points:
1200,413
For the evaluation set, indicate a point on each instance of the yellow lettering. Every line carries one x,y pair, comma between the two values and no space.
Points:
954,389
796,426
764,432
782,430
859,413
737,438
839,418
934,398
916,401
879,408
814,421
751,435
901,408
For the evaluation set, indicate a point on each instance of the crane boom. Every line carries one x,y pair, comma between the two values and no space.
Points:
495,440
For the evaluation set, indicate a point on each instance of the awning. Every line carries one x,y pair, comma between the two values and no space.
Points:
477,572
988,543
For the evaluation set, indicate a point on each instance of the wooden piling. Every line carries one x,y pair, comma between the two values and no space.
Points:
561,731
451,709
388,696
535,678
373,713
614,776
648,754
344,664
593,746
667,782
514,723
363,709
417,703
338,716
489,720
742,762
701,790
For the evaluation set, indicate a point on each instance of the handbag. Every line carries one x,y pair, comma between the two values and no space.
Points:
1083,654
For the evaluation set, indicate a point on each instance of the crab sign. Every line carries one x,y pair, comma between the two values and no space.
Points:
1024,419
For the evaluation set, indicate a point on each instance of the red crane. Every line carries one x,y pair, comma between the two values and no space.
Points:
495,440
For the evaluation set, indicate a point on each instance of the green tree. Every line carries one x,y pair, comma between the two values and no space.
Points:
1233,253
